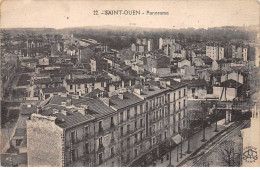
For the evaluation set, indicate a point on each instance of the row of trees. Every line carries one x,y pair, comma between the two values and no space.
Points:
200,120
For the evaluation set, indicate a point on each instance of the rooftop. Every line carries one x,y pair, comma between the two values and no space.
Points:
196,83
230,84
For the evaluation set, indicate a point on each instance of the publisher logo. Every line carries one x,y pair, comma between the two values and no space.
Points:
250,154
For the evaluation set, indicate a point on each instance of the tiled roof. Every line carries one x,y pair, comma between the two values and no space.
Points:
196,83
66,121
128,100
53,90
176,85
87,80
230,84
96,106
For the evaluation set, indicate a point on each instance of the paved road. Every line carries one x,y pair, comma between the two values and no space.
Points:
195,142
211,146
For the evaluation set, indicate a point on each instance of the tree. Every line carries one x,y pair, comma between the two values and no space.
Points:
202,117
227,153
186,133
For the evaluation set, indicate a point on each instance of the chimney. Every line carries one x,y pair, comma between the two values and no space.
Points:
39,110
69,102
137,91
83,109
55,111
64,112
121,96
147,87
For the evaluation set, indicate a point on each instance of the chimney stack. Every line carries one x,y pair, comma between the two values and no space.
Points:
69,102
39,110
121,95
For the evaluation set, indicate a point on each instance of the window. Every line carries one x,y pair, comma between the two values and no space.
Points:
128,128
141,135
78,86
136,138
184,92
184,103
112,121
121,117
193,91
165,134
73,137
71,87
74,154
112,151
86,130
179,94
136,152
141,108
87,148
163,100
18,142
100,141
135,124
100,126
160,125
100,158
147,106
128,114
174,96
153,128
122,131
141,122
154,140
102,84
128,142
135,110
179,105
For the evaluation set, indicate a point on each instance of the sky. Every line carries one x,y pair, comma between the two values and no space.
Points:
79,13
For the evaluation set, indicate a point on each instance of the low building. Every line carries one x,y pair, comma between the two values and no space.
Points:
197,89
227,90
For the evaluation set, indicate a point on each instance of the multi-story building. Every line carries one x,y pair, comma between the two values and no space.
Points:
165,41
215,52
114,131
85,85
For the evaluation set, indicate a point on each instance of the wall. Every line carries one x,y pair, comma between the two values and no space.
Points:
44,142
231,93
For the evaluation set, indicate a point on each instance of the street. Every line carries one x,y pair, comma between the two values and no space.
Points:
196,143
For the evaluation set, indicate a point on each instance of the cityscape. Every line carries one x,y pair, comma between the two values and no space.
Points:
112,96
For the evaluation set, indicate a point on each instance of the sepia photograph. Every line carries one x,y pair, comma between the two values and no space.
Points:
149,83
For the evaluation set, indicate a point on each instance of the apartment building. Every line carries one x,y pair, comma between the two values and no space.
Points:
117,131
215,52
85,85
